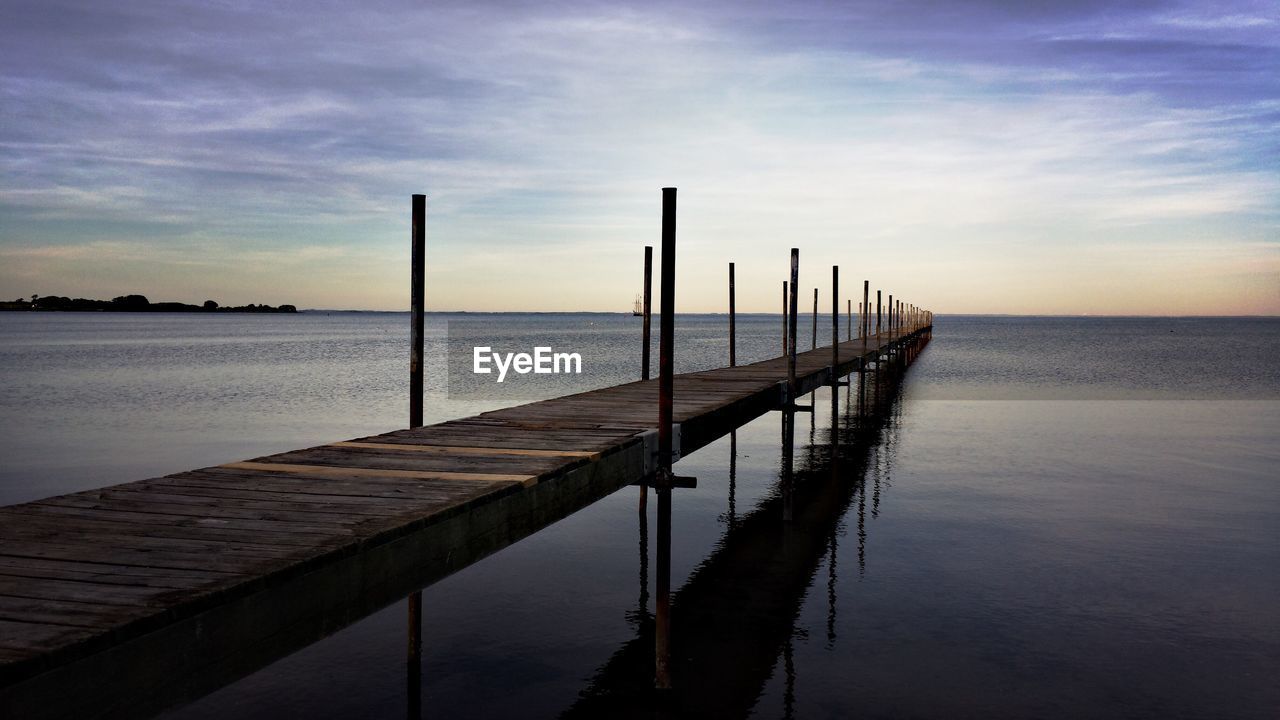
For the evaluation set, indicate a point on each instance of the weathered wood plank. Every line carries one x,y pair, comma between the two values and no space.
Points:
466,450
346,471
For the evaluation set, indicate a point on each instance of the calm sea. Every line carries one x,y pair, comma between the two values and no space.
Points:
1053,517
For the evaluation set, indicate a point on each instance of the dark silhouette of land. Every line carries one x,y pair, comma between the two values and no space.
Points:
133,303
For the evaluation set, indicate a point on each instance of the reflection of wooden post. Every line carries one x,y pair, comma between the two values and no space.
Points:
733,478
417,292
788,451
662,592
732,328
666,358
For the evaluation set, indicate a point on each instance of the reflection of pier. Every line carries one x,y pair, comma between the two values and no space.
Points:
732,622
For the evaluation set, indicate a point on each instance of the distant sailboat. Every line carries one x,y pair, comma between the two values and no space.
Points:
637,309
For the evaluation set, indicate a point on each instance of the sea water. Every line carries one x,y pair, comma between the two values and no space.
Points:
1054,517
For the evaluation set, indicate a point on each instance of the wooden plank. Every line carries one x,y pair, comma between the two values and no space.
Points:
366,472
171,558
80,591
409,493
20,639
118,575
501,465
69,613
61,522
464,450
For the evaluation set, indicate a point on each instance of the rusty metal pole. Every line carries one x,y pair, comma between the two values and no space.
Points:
666,338
791,326
417,293
733,330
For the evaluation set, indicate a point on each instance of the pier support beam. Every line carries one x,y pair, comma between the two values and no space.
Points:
417,293
835,324
791,326
666,340
733,330
645,340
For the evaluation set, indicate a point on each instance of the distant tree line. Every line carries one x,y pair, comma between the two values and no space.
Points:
133,303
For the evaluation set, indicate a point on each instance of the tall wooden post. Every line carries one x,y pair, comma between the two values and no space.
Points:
733,334
648,300
784,317
666,361
878,312
866,312
814,346
791,326
835,324
645,342
848,333
889,319
417,293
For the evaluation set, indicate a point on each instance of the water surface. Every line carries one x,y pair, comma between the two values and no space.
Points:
1057,517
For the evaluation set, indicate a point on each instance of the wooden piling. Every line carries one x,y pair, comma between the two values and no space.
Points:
733,361
814,346
417,322
835,323
791,326
889,316
784,318
645,342
648,299
866,312
878,312
663,481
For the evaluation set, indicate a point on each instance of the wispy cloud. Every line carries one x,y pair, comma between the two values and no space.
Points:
1000,130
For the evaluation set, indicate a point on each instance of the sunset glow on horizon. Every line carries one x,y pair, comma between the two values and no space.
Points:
986,157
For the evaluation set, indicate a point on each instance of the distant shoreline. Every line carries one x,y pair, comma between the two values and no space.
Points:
131,303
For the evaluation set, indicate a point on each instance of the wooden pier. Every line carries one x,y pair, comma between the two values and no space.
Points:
121,601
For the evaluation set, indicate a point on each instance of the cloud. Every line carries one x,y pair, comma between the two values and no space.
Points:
290,136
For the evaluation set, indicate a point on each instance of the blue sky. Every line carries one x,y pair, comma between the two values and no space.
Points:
1022,157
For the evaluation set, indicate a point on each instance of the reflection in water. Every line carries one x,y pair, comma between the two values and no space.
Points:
733,622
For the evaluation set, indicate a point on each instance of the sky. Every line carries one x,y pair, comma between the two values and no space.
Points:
996,156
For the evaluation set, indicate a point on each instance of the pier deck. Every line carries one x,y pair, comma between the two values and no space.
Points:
124,600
